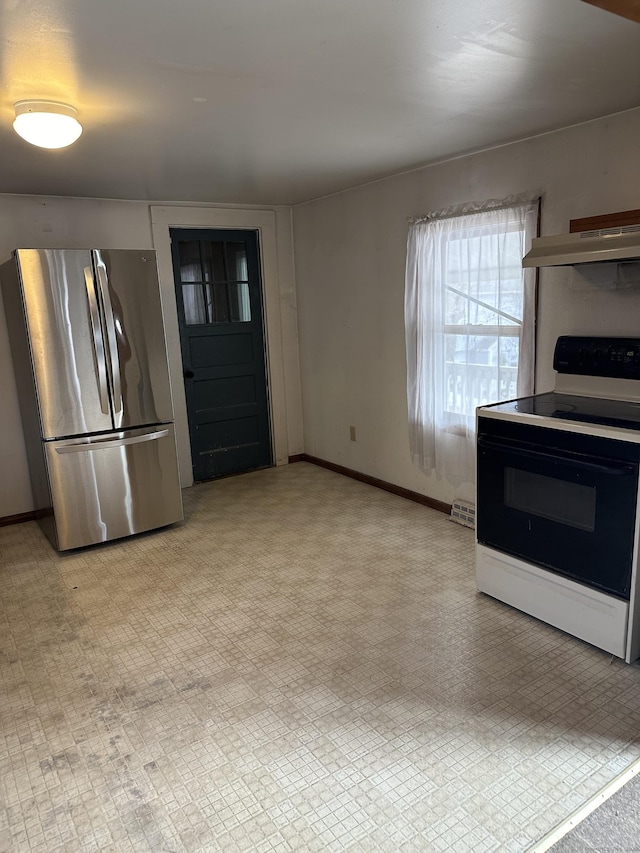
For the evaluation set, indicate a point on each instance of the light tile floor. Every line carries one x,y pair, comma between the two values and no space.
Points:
305,664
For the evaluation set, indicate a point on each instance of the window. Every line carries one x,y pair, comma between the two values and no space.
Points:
215,282
469,317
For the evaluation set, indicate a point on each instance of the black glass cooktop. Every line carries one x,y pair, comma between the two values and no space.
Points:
568,407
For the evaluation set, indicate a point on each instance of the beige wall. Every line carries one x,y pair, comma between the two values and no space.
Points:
350,259
45,222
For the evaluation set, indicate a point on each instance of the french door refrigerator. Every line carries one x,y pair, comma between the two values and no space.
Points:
89,352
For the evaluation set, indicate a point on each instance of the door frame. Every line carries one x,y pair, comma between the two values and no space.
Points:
264,223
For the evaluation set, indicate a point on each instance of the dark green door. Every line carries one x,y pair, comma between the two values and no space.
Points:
219,295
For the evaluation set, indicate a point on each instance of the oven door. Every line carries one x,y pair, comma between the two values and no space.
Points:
560,500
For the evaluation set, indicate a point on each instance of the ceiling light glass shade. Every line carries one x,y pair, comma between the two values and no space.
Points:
47,124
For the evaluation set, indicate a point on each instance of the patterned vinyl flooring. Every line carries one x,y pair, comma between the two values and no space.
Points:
303,665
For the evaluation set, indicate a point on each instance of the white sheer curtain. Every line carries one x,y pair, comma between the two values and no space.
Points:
470,325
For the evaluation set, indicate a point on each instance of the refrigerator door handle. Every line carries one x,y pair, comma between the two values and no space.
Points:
100,443
98,343
103,282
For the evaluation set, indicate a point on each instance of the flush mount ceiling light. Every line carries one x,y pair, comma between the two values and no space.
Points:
47,124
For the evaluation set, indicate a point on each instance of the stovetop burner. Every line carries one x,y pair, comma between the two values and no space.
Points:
616,413
593,373
550,407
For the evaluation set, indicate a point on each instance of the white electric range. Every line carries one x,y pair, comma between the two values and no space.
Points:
557,496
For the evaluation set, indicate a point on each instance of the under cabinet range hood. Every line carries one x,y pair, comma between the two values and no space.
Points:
606,245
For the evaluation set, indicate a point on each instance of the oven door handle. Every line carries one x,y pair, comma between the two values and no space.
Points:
615,469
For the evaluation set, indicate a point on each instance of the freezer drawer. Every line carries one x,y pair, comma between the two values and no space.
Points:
108,486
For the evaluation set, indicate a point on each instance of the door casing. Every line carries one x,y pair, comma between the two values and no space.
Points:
274,228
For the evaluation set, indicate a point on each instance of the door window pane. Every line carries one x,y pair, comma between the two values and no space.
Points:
213,261
240,308
220,304
190,266
236,262
196,299
215,282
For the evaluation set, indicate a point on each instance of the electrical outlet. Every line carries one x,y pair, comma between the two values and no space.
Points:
352,433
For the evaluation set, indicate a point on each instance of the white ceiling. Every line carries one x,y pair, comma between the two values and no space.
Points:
281,101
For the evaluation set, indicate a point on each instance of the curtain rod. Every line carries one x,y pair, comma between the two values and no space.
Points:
476,207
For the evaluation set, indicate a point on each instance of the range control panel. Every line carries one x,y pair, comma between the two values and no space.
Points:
589,356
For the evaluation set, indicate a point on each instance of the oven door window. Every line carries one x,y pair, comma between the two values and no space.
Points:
567,503
563,502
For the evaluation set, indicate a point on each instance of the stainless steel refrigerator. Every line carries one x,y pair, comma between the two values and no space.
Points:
88,345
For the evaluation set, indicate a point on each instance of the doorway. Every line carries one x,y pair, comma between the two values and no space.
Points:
219,301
